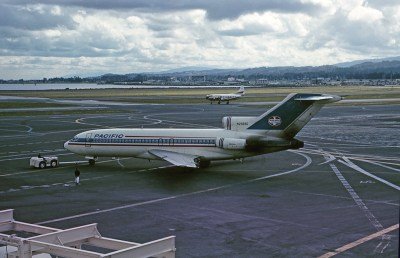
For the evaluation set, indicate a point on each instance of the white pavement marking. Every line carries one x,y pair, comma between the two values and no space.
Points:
351,156
33,152
9,130
308,162
374,221
350,164
29,143
79,121
378,164
360,241
347,198
47,169
178,122
156,121
27,157
119,162
327,160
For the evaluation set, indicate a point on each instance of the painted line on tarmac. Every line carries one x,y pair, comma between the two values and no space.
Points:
382,162
66,184
360,241
308,162
28,157
378,164
37,134
329,157
29,143
9,130
178,122
119,162
384,243
351,156
350,164
79,121
60,167
34,152
347,198
335,140
156,121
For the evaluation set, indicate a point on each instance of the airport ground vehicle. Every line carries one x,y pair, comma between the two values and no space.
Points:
43,162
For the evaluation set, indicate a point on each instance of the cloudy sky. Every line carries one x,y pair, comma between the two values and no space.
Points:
48,38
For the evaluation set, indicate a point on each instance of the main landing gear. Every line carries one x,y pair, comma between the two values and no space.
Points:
202,163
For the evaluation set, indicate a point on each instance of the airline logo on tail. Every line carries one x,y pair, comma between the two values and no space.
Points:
274,121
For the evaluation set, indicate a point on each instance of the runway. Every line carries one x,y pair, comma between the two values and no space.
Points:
316,201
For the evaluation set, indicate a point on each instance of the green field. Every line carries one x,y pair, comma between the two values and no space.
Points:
189,96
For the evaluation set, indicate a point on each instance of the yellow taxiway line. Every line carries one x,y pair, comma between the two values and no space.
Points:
359,241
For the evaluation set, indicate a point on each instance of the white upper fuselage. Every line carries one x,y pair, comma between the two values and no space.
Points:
122,142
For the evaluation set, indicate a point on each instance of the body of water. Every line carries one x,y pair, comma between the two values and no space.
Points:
80,86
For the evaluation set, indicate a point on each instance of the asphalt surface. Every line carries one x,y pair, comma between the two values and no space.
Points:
304,203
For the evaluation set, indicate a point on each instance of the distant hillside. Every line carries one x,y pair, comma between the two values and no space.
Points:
377,60
365,70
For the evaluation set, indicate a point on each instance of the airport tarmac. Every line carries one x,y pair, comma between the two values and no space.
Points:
343,186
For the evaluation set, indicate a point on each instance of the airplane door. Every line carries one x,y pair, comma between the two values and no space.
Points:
89,139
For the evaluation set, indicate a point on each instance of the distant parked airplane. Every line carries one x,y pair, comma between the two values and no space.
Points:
240,137
226,97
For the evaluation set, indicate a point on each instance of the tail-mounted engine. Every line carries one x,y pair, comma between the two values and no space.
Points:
237,123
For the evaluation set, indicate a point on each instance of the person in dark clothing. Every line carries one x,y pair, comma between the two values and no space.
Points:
77,174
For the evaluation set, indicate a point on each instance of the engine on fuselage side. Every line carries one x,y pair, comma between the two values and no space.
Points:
237,123
231,143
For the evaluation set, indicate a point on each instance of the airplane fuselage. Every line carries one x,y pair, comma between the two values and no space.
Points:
241,137
223,97
137,143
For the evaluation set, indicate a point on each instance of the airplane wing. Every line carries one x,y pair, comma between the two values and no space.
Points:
175,158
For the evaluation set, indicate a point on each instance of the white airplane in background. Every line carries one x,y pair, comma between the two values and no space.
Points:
226,97
240,137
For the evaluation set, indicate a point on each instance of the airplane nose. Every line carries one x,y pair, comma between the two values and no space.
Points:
66,145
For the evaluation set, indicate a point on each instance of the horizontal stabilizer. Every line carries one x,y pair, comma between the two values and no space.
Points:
176,158
318,98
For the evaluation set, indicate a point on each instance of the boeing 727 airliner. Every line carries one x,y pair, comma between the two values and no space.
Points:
240,137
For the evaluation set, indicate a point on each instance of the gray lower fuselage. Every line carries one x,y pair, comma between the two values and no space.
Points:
138,142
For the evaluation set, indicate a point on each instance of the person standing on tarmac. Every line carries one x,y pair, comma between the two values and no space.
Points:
77,174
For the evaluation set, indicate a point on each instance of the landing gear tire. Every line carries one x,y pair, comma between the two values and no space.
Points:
227,102
219,102
42,165
92,162
53,163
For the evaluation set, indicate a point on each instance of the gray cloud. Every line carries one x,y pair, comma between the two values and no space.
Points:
216,9
32,19
357,36
48,38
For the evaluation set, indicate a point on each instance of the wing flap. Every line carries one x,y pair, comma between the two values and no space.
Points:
175,158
